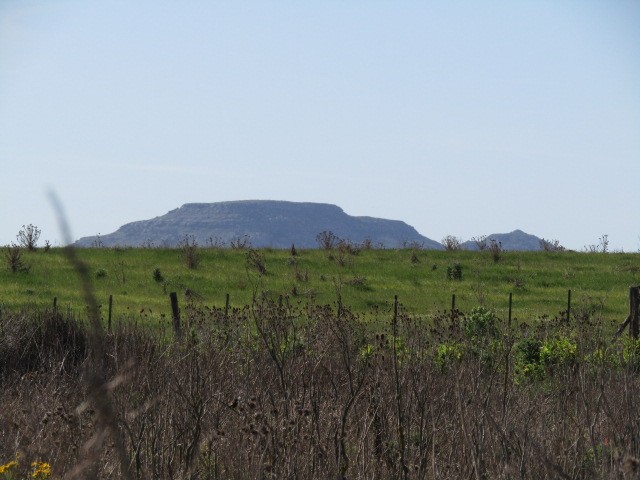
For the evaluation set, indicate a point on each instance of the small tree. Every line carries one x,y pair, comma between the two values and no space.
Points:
13,257
451,243
495,248
481,242
28,237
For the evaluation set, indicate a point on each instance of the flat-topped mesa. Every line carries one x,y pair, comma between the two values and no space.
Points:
266,223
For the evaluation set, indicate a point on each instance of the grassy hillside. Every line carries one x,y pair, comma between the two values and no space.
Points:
367,280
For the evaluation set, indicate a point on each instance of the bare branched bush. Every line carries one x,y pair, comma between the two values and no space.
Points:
519,280
481,242
413,245
551,245
215,242
28,237
97,242
349,247
601,247
327,240
240,243
495,249
190,251
451,243
148,243
345,250
302,276
255,260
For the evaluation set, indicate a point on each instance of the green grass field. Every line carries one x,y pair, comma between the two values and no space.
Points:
370,279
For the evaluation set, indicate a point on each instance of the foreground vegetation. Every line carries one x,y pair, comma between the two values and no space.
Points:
314,371
140,279
271,391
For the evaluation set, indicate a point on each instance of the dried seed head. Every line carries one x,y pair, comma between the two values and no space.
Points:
631,465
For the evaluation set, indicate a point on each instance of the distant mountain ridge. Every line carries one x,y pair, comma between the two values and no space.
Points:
267,223
279,224
516,240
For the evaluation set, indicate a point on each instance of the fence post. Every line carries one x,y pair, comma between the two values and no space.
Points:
175,314
395,314
401,440
634,311
110,308
453,303
55,305
569,306
505,389
226,307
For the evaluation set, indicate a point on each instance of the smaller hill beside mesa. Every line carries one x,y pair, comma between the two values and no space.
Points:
516,240
265,223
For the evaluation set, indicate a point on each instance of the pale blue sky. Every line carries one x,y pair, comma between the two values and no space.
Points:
462,118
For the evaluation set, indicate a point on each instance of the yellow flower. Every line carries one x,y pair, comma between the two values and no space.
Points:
41,470
8,466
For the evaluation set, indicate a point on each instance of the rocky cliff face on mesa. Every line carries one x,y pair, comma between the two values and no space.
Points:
267,223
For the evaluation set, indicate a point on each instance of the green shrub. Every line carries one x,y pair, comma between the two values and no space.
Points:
528,350
448,353
536,359
558,351
157,276
481,322
101,273
603,355
454,272
367,351
630,352
527,360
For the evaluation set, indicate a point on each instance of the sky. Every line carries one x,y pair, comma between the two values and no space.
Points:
460,118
